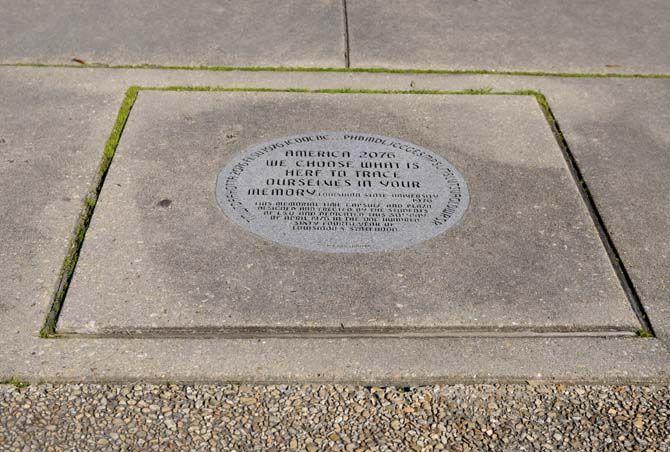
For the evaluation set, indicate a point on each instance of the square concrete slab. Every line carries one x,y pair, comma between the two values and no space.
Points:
213,33
162,257
544,35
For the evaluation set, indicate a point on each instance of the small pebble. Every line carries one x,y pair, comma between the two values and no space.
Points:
334,417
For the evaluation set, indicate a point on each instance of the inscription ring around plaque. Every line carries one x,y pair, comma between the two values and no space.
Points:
342,192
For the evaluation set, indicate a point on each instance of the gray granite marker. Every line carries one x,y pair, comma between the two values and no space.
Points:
342,192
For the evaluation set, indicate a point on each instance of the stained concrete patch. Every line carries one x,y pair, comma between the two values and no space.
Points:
545,35
525,257
214,33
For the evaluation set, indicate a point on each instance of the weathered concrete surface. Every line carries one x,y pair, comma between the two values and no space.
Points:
49,149
545,35
214,33
524,257
365,361
642,241
620,134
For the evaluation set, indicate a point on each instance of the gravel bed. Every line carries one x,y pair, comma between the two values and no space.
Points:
334,417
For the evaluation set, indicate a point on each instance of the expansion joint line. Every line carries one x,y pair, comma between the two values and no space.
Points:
605,237
345,15
90,200
347,69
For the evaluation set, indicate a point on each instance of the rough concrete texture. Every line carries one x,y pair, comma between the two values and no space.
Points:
524,257
45,99
545,35
214,33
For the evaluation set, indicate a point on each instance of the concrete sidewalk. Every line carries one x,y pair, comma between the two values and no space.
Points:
545,36
555,115
44,195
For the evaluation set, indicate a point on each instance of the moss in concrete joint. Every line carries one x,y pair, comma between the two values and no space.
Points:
381,70
67,270
16,383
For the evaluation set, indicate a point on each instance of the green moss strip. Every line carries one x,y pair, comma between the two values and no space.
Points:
16,383
343,69
90,200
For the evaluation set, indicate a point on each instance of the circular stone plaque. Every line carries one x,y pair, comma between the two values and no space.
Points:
342,192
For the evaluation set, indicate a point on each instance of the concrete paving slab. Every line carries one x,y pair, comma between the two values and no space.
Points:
371,361
525,257
49,143
545,35
213,33
620,134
